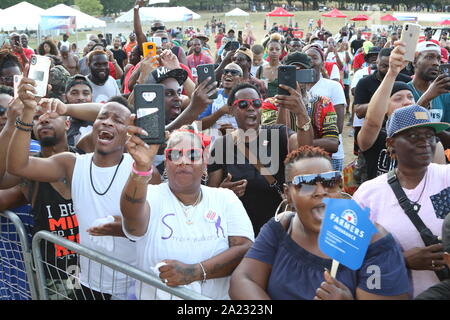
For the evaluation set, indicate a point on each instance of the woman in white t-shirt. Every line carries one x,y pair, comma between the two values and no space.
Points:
199,233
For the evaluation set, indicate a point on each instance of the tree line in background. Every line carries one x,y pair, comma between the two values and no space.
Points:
114,7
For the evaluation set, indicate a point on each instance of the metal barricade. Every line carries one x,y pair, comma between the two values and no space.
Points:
17,276
67,284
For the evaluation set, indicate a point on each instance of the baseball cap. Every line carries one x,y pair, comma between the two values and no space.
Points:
413,116
428,46
162,73
298,58
75,80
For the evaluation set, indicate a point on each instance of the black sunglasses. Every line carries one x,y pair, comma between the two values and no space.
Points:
233,72
307,183
158,28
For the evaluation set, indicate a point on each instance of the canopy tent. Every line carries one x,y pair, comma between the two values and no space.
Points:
388,17
335,13
83,20
446,22
360,17
22,16
279,12
169,14
237,13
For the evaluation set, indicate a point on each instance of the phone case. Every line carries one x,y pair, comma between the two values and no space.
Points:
444,68
39,71
149,48
204,71
305,76
150,112
287,75
410,35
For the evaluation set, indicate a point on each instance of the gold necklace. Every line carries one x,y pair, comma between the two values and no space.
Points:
187,208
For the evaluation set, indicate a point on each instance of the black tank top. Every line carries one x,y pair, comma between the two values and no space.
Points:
55,214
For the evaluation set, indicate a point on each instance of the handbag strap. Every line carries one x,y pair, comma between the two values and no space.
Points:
406,205
261,169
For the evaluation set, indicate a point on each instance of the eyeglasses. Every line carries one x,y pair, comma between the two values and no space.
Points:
158,28
244,103
307,183
415,137
193,155
233,72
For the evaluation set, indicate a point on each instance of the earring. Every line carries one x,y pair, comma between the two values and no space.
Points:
284,203
165,174
205,177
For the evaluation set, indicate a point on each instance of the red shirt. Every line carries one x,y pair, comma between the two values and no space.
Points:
218,40
358,61
27,52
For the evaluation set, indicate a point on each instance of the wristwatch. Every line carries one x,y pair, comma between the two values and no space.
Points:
306,126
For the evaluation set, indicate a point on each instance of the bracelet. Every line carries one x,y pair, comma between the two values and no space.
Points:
23,129
18,121
141,173
204,272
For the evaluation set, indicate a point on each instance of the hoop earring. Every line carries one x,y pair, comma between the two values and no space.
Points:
286,206
165,174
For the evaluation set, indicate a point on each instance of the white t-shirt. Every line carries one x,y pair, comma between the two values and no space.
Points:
333,90
219,215
361,73
101,94
89,206
385,210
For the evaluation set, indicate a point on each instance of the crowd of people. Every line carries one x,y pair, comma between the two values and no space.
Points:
203,206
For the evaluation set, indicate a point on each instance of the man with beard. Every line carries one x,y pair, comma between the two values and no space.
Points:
431,89
51,202
103,85
69,60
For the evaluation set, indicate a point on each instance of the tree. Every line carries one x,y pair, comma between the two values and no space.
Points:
91,7
116,6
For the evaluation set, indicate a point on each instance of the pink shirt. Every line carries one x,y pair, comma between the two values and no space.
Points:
193,61
386,211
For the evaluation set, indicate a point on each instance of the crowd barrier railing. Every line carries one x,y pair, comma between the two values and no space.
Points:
17,276
62,281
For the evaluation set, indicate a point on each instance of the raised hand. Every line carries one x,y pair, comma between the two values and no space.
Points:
293,102
52,108
169,60
397,60
26,93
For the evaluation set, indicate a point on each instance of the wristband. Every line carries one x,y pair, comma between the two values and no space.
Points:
204,272
141,173
18,121
23,129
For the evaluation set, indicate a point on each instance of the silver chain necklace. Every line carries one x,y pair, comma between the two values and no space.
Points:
187,208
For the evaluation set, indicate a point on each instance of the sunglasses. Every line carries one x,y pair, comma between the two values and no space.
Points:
307,183
194,154
232,72
244,103
158,28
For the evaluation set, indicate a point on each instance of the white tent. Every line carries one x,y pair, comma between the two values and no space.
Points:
22,16
83,20
169,14
237,13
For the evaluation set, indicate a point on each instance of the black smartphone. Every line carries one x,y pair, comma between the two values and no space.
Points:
150,112
204,71
287,75
234,45
306,76
445,68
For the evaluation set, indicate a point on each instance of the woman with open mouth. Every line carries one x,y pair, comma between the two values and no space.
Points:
285,261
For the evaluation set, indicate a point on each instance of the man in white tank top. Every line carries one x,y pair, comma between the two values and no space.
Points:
96,181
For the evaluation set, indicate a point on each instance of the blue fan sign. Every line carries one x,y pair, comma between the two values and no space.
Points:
346,232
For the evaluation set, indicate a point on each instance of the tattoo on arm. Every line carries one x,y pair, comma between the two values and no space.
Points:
133,198
188,274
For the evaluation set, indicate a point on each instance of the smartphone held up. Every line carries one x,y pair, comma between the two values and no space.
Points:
40,71
410,36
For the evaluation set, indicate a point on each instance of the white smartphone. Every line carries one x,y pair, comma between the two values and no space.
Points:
39,72
17,79
410,36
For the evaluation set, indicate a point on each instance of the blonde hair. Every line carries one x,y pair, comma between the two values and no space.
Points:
184,132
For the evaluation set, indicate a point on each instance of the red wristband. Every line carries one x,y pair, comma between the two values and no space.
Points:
141,173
